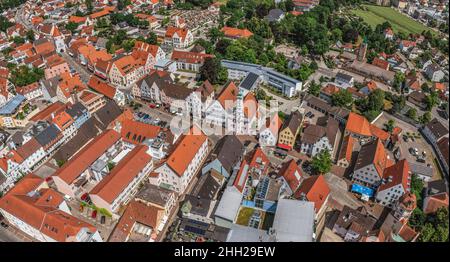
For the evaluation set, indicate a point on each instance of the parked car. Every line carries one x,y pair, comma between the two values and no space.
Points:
420,160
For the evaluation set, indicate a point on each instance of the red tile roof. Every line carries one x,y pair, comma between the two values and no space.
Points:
236,32
87,156
136,212
102,87
358,124
189,57
137,132
40,210
185,150
395,175
314,189
288,171
229,93
123,174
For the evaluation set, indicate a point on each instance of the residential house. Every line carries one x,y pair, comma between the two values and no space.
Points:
225,157
435,196
315,189
434,73
268,135
41,213
395,183
178,37
289,131
235,33
322,136
177,171
371,164
344,80
189,61
354,224
116,188
78,171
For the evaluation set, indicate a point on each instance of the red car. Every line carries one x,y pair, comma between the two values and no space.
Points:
152,105
94,214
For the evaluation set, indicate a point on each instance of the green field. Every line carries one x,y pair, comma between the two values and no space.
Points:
379,14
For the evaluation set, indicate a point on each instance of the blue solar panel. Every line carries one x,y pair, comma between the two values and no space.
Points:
194,230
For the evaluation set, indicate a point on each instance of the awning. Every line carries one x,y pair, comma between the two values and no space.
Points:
283,146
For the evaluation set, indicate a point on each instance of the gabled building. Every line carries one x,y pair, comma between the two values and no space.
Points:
221,110
42,213
322,136
178,37
268,135
236,33
179,168
116,188
315,189
291,176
225,157
371,164
395,183
75,173
435,196
289,131
189,61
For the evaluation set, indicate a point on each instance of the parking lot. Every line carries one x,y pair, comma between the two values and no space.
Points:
411,139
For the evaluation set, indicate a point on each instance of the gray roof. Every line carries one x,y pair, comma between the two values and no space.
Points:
86,132
154,194
358,220
240,233
76,110
107,113
274,15
343,76
436,187
420,169
50,85
196,205
11,106
294,221
228,151
49,135
437,128
293,123
206,187
229,204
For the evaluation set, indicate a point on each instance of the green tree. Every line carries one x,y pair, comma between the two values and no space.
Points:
314,89
152,38
343,98
213,71
376,100
72,27
321,162
89,6
412,113
398,81
425,118
425,88
389,125
431,100
30,35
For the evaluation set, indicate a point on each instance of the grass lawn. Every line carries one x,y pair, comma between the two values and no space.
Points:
244,216
379,14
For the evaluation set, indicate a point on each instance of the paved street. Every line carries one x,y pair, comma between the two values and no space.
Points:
81,70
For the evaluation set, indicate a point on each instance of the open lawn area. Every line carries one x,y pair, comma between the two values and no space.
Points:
374,15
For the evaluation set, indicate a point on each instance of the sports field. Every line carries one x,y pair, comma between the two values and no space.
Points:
375,15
